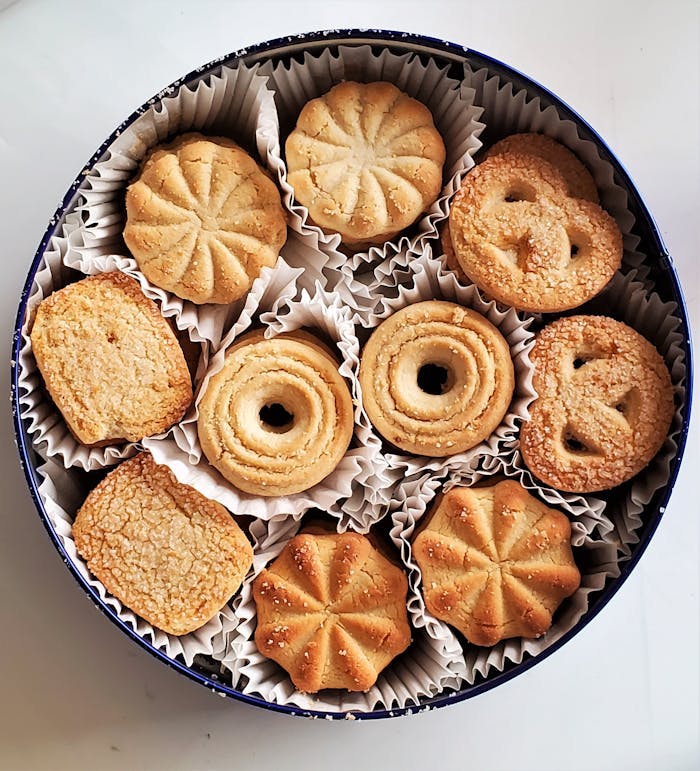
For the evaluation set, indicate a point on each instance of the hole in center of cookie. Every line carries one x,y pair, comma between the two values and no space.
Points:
276,418
433,379
579,362
574,250
513,196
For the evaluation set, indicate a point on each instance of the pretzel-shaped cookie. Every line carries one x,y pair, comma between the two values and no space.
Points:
604,406
519,236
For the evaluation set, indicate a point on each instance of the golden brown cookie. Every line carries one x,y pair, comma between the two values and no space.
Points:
278,418
164,550
579,181
449,252
110,360
436,378
203,219
366,161
519,236
496,563
604,406
331,611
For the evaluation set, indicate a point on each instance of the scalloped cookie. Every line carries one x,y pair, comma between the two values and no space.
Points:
332,611
366,160
203,219
496,562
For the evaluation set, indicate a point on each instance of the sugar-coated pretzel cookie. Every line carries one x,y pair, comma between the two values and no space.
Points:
579,181
278,417
332,611
604,406
495,562
203,219
167,552
519,236
436,378
366,160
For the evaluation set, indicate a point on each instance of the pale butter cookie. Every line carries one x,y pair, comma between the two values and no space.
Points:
203,219
518,235
604,406
366,160
496,562
436,378
332,611
110,361
278,418
164,550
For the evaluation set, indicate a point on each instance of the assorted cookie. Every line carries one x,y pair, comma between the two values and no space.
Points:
366,160
517,233
495,562
278,417
163,549
604,404
110,361
331,611
436,378
203,219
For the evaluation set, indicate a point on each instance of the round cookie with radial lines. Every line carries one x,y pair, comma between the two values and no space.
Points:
278,417
332,611
436,378
366,160
203,219
604,404
495,561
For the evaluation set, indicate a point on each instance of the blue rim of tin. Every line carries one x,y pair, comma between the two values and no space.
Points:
451,53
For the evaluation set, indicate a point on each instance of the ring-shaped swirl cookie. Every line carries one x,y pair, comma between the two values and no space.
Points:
436,378
278,417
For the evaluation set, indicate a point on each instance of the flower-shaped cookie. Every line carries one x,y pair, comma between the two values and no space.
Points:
496,562
331,611
366,160
203,219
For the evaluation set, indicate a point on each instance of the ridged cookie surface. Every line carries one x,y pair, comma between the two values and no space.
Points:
496,562
604,404
366,160
110,360
203,219
278,417
160,547
331,611
471,385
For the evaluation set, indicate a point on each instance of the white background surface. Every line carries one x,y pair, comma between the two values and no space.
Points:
77,694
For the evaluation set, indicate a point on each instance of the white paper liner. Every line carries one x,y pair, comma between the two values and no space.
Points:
425,279
596,558
355,489
427,668
452,106
627,300
236,103
208,640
